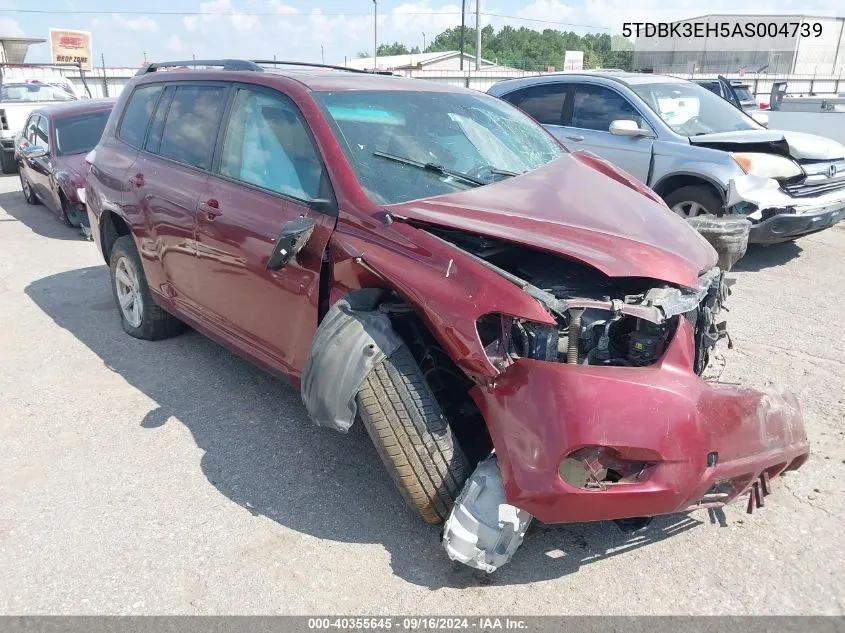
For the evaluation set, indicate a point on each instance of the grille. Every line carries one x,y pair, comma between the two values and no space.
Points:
822,177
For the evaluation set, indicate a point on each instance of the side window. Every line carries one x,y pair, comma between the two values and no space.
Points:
42,133
190,129
29,130
544,102
153,143
133,126
595,107
267,144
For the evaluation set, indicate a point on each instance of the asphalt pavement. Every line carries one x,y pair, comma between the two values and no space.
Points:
174,477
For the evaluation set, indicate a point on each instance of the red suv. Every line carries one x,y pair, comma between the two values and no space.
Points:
519,328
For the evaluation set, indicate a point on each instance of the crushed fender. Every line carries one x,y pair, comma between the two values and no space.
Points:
351,340
483,531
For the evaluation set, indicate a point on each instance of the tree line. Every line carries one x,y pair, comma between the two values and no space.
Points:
522,47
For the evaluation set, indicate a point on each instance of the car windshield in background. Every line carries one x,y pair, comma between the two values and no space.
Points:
690,110
80,134
743,93
411,145
34,92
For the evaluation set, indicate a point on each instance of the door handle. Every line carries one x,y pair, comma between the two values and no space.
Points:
211,208
137,180
577,138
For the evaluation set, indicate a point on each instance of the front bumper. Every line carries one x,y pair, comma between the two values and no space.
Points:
779,217
539,413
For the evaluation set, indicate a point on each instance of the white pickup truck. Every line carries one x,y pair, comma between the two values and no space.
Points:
21,92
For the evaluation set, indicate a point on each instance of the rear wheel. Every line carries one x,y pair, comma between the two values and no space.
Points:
28,192
693,201
412,436
139,315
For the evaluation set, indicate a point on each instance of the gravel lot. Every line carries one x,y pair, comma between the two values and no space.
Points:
173,477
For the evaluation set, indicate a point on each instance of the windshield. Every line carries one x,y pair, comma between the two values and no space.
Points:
34,92
691,110
410,145
80,134
743,93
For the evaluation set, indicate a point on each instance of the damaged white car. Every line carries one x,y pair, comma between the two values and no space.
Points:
701,154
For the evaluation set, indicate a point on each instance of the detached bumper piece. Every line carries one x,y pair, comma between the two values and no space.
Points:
484,531
781,227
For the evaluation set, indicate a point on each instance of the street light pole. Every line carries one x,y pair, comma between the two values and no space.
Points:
478,34
375,34
322,54
423,50
463,26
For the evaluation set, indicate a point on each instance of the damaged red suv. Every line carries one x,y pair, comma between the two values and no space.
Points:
521,329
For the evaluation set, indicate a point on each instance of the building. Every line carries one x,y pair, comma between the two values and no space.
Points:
444,60
13,49
775,53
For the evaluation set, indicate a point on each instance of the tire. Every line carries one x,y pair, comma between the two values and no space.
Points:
68,214
8,163
412,436
148,321
698,199
28,193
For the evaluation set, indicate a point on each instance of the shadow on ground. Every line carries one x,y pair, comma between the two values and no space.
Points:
759,257
37,217
262,452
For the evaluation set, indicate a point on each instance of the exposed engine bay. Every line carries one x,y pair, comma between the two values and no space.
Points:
600,320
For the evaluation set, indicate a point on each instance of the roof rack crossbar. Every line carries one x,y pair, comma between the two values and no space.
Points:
278,62
226,64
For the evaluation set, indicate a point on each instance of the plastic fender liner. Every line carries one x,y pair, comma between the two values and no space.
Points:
351,340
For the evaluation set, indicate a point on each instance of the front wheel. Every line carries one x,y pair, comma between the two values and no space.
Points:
693,201
139,315
28,191
412,436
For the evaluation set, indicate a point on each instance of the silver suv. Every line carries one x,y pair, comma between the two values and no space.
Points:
701,154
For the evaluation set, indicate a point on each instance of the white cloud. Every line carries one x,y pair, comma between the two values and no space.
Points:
214,11
11,28
175,44
116,21
546,10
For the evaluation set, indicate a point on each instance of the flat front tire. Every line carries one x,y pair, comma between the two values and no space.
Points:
412,436
140,316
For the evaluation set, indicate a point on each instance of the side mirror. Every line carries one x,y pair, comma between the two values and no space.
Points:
33,151
761,117
292,239
626,127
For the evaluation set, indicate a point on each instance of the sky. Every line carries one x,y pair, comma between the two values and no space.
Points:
327,30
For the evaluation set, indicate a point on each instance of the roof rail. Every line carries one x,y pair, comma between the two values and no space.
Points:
316,65
226,64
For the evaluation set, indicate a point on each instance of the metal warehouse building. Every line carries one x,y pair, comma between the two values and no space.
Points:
823,55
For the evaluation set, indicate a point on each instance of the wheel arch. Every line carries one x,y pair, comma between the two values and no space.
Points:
112,226
671,182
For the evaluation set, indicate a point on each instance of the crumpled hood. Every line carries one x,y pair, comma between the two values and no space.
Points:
798,145
572,209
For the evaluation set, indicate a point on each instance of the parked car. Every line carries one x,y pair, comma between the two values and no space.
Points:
50,154
699,153
429,259
736,92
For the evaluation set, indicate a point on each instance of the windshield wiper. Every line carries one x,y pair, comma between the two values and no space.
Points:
504,172
432,167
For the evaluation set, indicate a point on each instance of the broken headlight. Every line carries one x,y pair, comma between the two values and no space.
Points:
505,337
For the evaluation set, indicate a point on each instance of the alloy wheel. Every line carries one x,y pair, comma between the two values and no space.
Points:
128,292
689,209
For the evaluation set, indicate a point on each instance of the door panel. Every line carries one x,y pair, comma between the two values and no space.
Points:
267,160
272,311
594,107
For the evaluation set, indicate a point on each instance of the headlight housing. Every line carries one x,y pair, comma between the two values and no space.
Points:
767,165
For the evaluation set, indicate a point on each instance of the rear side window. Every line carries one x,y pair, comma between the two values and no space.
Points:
136,117
545,102
190,129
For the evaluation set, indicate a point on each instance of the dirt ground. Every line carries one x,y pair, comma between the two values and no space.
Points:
173,477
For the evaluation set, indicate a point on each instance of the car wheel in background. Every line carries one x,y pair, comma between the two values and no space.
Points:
8,162
28,193
412,436
140,315
693,201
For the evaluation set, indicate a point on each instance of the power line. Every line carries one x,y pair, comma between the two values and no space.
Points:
297,14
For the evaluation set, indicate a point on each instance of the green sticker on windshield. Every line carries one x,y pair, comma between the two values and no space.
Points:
366,115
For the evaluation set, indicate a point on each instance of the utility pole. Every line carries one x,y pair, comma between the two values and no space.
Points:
478,34
423,50
322,53
463,27
105,83
375,34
